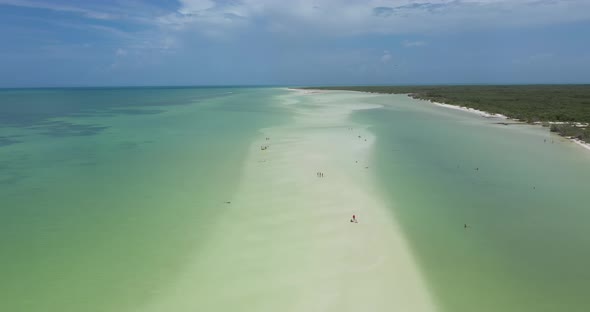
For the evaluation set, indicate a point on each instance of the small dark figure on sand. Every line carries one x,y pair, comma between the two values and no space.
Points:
354,220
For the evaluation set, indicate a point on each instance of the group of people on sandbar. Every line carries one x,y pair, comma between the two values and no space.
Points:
320,174
264,147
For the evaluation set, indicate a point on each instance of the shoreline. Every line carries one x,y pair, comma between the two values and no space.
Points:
484,114
580,143
466,109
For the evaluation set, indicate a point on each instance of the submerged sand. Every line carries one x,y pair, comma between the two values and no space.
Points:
285,241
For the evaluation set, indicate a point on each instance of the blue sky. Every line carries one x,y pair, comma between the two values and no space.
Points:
298,42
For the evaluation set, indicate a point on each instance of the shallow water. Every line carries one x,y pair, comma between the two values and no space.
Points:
106,191
522,191
108,195
286,243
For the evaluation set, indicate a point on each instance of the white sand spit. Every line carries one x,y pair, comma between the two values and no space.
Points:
285,242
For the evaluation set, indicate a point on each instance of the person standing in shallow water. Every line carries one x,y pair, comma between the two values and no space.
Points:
354,219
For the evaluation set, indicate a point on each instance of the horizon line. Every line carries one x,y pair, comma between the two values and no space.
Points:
290,85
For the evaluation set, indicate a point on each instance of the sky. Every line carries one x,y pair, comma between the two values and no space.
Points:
298,42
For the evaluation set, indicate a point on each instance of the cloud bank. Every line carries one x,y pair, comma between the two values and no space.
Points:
352,17
330,17
268,41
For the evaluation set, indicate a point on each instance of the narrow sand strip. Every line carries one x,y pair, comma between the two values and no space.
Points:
285,242
470,110
581,143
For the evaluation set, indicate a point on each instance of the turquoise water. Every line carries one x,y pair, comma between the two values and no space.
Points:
105,192
528,244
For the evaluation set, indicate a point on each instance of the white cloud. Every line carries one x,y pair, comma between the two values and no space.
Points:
417,43
131,11
386,57
329,17
165,29
121,52
94,14
351,17
192,6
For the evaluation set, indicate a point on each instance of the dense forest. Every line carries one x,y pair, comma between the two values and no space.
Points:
528,103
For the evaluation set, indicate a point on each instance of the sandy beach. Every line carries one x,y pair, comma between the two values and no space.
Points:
287,232
581,143
470,110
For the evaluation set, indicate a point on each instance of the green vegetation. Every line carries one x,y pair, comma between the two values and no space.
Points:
528,103
571,130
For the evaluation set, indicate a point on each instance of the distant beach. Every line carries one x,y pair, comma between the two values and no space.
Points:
561,108
471,110
500,116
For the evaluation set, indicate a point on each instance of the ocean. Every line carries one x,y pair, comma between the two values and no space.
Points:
104,192
162,199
